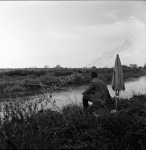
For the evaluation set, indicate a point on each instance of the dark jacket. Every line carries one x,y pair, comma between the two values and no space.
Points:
98,89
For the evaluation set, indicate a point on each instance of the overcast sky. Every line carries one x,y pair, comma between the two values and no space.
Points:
71,34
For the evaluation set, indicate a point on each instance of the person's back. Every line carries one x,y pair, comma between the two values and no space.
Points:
97,91
102,89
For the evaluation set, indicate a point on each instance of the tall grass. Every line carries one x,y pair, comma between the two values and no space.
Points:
33,126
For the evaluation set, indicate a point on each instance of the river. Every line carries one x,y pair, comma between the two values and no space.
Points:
74,94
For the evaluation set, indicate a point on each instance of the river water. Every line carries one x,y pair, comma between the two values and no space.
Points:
74,94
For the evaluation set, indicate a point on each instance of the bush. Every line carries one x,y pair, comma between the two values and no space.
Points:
62,73
76,128
21,72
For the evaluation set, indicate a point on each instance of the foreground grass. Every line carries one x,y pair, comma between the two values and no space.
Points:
75,128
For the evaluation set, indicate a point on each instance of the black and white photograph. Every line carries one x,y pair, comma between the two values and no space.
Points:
73,75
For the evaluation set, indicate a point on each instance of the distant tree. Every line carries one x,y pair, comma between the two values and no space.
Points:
105,67
46,66
133,65
33,67
94,67
144,66
58,66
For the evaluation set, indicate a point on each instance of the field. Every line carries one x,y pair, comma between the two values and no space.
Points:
32,80
76,128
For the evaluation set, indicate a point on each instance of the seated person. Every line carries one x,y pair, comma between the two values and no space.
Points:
97,92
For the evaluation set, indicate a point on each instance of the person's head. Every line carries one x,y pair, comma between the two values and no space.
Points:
94,75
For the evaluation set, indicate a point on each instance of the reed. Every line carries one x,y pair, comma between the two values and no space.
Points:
31,124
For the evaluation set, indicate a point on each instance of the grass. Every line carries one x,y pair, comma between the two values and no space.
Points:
72,127
29,80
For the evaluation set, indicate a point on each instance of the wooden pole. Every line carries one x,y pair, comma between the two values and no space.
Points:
116,99
117,95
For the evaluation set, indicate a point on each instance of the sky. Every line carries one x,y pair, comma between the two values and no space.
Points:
72,34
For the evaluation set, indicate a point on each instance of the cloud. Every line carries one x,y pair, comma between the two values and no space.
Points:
113,14
71,33
130,25
95,40
61,35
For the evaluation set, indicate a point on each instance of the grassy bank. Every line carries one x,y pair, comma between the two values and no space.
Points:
76,128
32,80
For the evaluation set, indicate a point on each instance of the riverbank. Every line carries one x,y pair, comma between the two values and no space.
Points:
15,82
76,128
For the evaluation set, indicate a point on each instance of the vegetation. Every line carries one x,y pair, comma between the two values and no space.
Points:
33,79
75,128
144,66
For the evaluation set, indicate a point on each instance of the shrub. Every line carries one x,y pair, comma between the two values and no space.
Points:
62,73
21,72
76,128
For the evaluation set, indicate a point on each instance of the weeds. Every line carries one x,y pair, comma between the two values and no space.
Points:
30,124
